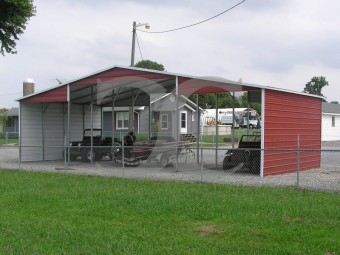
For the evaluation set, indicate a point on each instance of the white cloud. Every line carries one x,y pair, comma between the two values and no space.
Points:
276,43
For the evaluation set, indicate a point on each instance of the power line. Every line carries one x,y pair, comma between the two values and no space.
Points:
197,23
140,51
9,94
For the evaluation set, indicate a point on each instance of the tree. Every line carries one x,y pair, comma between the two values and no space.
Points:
207,101
334,102
244,103
225,100
315,85
14,16
244,100
148,64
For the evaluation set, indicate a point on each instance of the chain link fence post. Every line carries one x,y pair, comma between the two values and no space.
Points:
298,162
65,153
123,157
201,163
19,157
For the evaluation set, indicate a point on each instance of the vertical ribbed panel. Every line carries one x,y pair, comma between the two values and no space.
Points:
288,116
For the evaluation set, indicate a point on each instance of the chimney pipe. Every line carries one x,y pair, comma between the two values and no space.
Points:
28,86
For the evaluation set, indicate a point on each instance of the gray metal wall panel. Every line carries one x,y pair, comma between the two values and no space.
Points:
97,120
53,132
76,122
55,127
31,132
81,119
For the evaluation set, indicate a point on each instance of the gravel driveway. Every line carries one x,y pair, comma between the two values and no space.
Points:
326,178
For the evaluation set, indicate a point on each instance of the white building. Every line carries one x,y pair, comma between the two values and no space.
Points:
330,122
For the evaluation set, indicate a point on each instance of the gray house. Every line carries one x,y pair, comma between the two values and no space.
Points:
161,112
12,124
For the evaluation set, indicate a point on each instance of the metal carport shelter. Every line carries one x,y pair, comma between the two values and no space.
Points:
50,119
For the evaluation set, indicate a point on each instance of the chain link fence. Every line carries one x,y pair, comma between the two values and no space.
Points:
179,161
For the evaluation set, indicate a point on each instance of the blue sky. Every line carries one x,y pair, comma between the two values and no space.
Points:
282,43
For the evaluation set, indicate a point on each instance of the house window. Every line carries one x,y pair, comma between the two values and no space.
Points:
183,120
333,121
10,122
122,120
164,121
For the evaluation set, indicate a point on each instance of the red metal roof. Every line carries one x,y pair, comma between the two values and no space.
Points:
121,76
118,73
56,95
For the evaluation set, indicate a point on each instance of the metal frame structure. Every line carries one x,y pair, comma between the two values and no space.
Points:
117,85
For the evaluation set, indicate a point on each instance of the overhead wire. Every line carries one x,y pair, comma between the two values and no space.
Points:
195,24
140,51
9,94
175,29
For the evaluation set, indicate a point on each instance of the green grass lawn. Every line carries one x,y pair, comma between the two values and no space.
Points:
44,213
210,140
8,141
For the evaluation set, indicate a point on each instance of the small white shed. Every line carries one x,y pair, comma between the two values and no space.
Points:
330,122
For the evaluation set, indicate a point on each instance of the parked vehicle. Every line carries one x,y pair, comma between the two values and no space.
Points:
229,120
161,150
248,153
237,117
101,146
253,122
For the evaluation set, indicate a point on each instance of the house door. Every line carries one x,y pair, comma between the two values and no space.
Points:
183,122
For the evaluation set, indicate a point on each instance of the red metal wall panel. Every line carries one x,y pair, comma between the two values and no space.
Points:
51,96
288,116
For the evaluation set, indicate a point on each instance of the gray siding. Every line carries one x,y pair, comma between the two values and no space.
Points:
76,122
162,106
14,120
165,106
192,122
97,118
31,132
107,123
169,130
53,131
42,131
43,128
144,121
81,119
